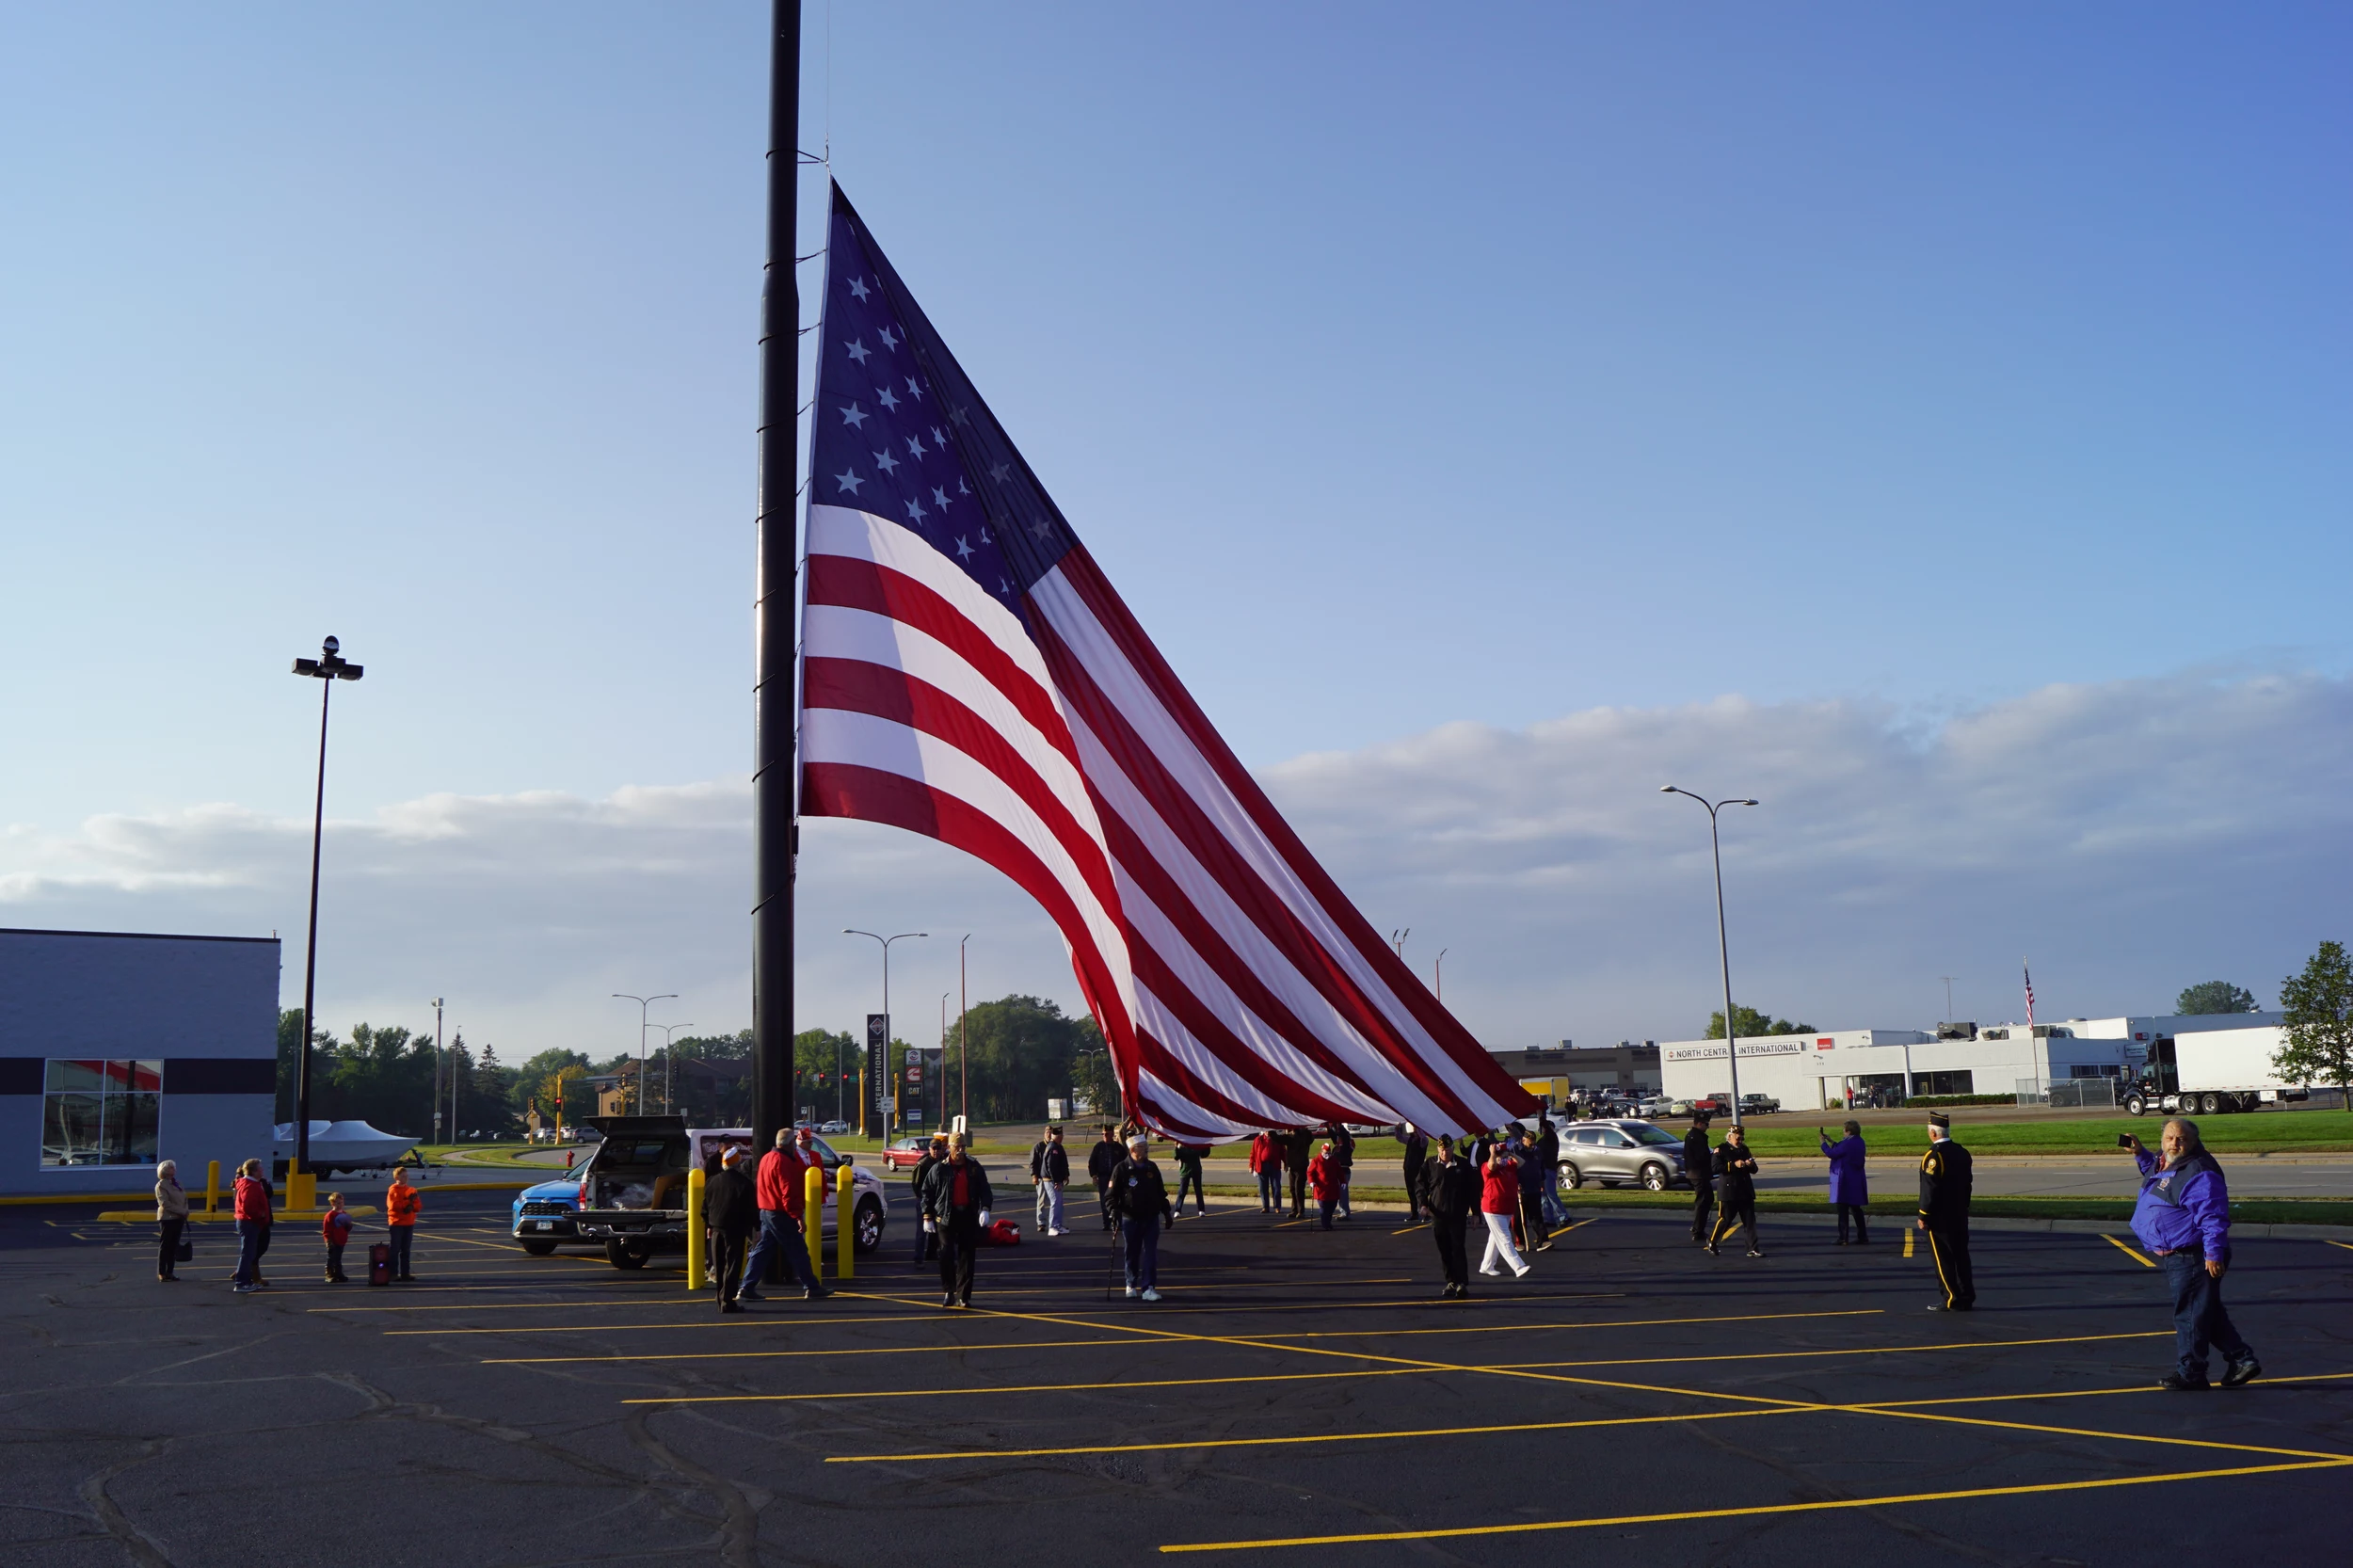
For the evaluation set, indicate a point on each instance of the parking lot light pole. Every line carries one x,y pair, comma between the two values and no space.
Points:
642,1002
1723,949
669,1068
328,669
886,942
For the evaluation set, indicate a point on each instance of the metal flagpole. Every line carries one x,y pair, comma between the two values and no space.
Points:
773,742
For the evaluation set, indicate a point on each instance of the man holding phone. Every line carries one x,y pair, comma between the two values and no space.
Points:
2184,1219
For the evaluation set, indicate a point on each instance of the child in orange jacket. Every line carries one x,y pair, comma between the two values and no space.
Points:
335,1229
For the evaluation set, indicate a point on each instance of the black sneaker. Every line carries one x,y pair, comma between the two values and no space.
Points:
1753,1253
2238,1374
816,1293
948,1300
2180,1384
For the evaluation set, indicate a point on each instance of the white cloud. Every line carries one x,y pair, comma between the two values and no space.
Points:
2129,837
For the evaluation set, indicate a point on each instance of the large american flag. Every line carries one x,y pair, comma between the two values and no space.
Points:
968,673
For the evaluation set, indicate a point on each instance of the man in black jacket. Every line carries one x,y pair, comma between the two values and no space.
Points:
1449,1195
1945,1183
1102,1160
1298,1149
1698,1164
1736,1190
955,1203
1416,1143
730,1214
1050,1171
1139,1197
927,1242
1344,1157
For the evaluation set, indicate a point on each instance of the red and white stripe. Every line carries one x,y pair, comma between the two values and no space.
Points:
1235,983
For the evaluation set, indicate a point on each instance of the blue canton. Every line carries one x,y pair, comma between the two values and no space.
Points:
901,433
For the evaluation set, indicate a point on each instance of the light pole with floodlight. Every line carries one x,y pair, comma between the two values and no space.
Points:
328,669
642,1002
1723,949
669,1068
876,1088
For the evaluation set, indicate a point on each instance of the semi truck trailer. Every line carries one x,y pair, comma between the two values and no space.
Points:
2212,1072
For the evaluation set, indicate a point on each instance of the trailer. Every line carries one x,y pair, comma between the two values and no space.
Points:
2212,1072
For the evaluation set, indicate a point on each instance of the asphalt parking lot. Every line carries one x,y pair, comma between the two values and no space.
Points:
1298,1394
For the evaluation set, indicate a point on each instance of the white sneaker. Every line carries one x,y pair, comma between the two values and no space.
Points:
1523,1272
1492,1274
1151,1295
1133,1292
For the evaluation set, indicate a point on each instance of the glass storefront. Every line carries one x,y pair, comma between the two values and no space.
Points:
100,1111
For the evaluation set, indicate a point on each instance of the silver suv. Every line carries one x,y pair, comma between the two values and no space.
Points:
1620,1150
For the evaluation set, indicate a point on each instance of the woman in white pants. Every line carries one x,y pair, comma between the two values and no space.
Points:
1498,1200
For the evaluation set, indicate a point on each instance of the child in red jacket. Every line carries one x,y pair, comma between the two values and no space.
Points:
335,1228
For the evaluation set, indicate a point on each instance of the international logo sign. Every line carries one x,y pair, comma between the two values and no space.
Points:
1711,1051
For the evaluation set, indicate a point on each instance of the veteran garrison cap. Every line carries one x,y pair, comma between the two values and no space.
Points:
1937,1118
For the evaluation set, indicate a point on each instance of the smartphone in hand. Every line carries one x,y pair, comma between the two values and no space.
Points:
2126,1141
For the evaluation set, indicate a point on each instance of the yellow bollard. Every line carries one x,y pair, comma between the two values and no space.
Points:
813,1206
212,1187
844,1250
696,1278
303,1187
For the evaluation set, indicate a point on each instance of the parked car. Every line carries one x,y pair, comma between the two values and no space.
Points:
834,1128
904,1154
1651,1107
546,1216
632,1194
1758,1105
1620,1150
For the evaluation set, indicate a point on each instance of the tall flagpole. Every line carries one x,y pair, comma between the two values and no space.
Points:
774,760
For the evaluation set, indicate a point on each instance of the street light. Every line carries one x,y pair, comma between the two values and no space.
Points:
669,1068
886,942
963,1030
1723,950
642,1002
328,669
436,1069
1441,968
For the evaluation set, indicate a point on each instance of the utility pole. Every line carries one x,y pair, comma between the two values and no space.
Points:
436,1069
964,1032
1949,979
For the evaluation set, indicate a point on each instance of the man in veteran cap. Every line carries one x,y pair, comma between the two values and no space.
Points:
1944,1214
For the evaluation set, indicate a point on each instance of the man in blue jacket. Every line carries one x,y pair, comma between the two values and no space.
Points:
2184,1219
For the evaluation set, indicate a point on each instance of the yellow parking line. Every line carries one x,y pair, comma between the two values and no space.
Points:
1756,1510
1909,1231
2144,1262
1410,1229
1390,1372
1166,1447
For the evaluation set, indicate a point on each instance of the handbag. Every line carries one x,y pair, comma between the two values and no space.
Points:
185,1252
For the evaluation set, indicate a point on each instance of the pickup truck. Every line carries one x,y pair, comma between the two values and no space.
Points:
1758,1105
632,1195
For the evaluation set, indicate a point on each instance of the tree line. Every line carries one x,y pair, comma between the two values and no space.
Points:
1018,1052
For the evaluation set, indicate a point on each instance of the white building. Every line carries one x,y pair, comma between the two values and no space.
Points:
1809,1072
118,1050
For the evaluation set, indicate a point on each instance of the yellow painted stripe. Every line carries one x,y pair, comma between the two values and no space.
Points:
1263,1341
1167,1447
1410,1229
775,1355
2144,1262
929,1393
1909,1233
1758,1511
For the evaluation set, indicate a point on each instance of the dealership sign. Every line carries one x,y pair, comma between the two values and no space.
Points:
1748,1048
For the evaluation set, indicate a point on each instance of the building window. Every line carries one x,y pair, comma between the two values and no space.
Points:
100,1112
1961,1080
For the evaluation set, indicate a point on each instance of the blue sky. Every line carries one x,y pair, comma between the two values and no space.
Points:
1405,368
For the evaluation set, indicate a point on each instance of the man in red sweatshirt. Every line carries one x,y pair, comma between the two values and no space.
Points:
783,1192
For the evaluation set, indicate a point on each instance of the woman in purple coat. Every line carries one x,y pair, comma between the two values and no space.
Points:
1848,1192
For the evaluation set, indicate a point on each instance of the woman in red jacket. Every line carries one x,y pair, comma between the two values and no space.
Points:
1498,1200
253,1217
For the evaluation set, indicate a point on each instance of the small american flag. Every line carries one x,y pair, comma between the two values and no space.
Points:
2029,974
968,673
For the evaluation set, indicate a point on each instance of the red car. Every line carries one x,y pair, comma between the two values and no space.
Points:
904,1154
